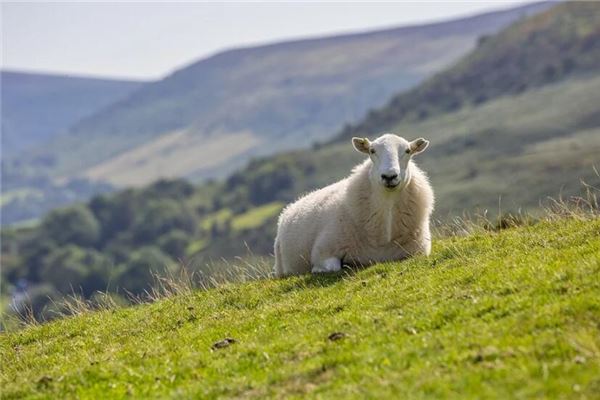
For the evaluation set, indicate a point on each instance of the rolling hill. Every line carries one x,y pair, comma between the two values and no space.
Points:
509,314
507,147
547,48
209,118
37,107
507,135
508,153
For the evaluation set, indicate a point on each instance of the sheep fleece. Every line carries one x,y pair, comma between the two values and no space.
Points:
355,222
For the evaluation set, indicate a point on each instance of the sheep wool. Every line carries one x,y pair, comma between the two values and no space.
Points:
381,212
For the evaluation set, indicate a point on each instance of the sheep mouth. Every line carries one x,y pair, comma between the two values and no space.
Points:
391,185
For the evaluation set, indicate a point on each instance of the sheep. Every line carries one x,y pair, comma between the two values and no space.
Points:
379,213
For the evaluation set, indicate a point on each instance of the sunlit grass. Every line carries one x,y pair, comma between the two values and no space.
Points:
218,217
19,194
512,313
256,216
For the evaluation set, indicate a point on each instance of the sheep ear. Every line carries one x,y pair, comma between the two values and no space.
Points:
418,146
362,145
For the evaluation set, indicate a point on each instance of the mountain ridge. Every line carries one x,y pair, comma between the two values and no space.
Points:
36,106
505,155
277,92
426,25
546,48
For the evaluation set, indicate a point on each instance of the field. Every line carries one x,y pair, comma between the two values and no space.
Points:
502,314
11,195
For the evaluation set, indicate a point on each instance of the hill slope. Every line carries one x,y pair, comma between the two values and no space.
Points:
512,314
510,134
502,155
36,107
546,48
253,101
518,149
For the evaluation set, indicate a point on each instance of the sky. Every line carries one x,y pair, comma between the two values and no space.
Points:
148,40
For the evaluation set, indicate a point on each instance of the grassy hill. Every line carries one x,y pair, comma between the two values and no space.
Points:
507,154
229,108
508,131
255,101
517,149
37,107
507,314
546,48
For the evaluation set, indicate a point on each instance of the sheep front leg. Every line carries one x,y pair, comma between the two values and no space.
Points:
323,256
331,264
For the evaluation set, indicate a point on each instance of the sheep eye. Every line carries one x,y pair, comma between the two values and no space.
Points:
407,151
372,151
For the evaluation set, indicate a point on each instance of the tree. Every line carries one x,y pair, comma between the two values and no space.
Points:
170,188
116,214
74,225
162,216
174,243
65,268
137,274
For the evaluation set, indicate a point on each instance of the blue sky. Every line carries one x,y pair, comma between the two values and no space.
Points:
146,40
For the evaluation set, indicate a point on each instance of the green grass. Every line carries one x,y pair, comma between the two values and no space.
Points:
196,246
218,217
509,314
255,217
19,194
27,223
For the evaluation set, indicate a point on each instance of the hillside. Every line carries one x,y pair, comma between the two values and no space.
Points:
509,150
517,150
546,48
211,117
37,107
508,314
507,154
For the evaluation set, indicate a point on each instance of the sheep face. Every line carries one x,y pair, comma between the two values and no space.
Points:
390,156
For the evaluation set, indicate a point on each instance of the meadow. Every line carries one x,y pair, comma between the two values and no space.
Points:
492,313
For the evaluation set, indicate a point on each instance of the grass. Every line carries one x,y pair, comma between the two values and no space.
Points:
507,314
255,217
218,217
252,218
19,194
196,246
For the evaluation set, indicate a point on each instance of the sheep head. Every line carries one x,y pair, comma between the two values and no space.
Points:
390,156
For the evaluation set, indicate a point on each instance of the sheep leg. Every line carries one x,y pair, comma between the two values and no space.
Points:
331,264
278,268
324,255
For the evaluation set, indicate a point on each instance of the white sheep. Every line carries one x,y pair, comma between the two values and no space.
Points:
379,213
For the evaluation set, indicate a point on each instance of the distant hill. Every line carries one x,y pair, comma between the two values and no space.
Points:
37,107
209,118
550,47
528,139
508,153
505,154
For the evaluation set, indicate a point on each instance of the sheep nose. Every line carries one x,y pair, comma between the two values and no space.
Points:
389,177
